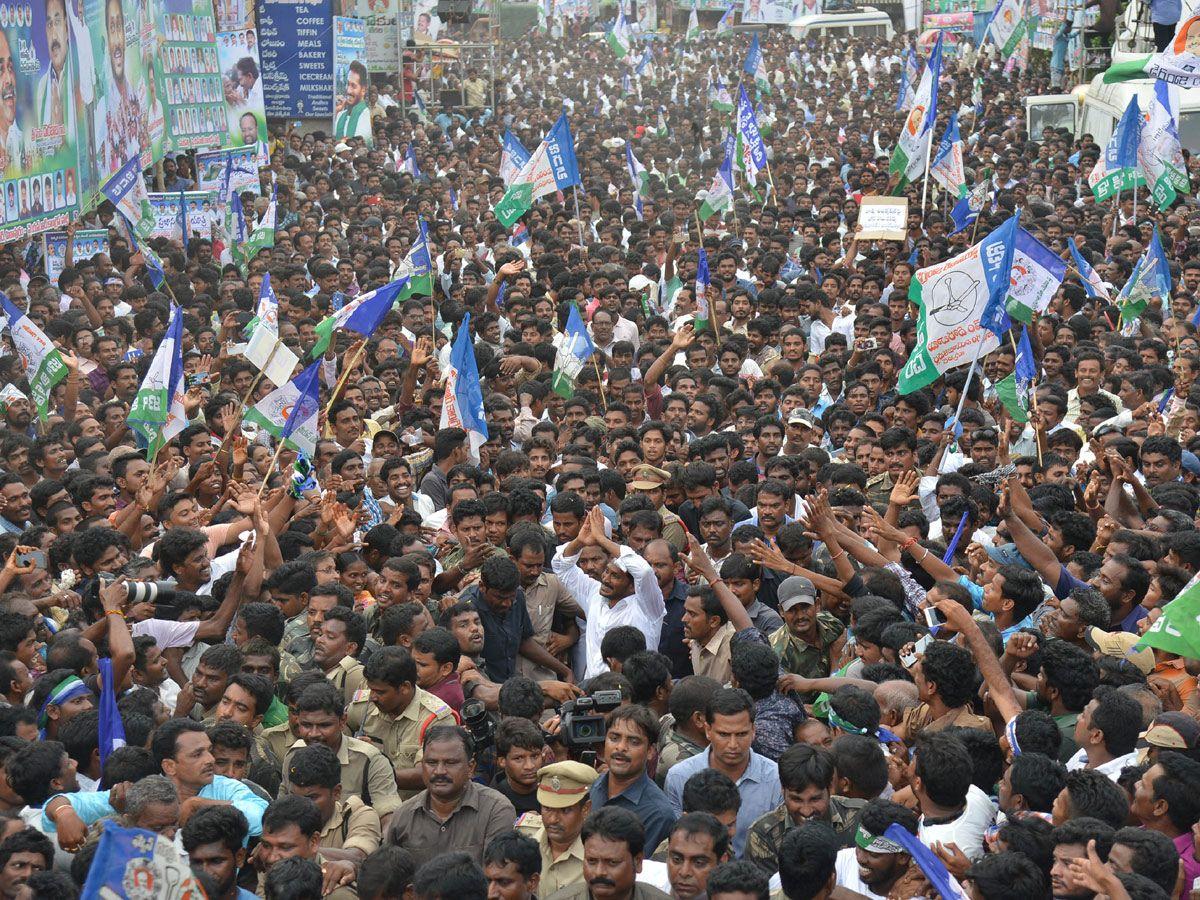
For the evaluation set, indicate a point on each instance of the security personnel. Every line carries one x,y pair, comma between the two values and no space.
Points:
651,481
396,714
563,795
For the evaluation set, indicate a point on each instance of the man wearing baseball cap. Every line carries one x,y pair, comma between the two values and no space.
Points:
808,632
563,793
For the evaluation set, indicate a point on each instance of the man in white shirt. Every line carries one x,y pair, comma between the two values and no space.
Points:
626,594
1109,726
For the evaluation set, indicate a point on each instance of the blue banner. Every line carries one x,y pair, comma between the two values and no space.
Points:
296,50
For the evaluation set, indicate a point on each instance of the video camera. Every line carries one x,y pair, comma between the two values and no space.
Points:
583,725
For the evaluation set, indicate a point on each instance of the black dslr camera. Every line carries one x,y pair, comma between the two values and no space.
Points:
582,720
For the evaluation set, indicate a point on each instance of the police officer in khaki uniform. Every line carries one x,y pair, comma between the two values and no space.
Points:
396,714
350,829
563,795
650,480
335,651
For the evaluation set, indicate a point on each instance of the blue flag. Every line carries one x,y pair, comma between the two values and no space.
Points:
1026,368
968,207
1092,283
1160,275
462,406
958,533
372,308
560,150
998,249
153,262
133,862
912,257
112,730
927,861
307,402
754,58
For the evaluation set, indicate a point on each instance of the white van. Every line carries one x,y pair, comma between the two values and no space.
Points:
866,21
1096,108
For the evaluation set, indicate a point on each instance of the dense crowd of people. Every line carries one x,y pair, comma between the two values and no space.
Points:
728,617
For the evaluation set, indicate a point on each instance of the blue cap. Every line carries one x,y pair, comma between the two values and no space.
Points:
1007,555
1191,462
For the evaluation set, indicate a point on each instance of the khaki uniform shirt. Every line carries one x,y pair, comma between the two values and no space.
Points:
353,826
713,658
543,599
673,530
482,813
556,873
641,891
919,718
347,676
280,739
399,737
366,774
766,834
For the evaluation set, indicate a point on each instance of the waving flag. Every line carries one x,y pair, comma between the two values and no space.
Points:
262,236
157,413
947,165
638,177
720,97
1179,64
513,157
1178,629
133,862
660,128
1117,170
154,264
702,282
112,729
726,23
362,315
968,207
753,155
620,37
1136,294
290,413
127,191
1007,25
756,66
44,366
576,349
720,195
551,168
1092,283
264,349
935,871
961,305
1160,274
908,82
408,165
1015,390
1160,154
644,63
462,405
908,159
693,26
416,269
1036,274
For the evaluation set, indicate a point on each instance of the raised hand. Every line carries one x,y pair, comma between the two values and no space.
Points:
904,491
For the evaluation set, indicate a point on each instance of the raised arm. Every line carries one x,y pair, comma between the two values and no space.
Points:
697,560
680,340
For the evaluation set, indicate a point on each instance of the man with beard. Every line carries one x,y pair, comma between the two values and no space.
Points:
875,864
57,89
453,812
613,839
806,774
12,142
353,119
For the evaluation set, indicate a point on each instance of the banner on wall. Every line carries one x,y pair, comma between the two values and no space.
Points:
244,114
234,15
426,26
243,172
351,116
382,35
201,214
297,59
88,243
187,77
771,12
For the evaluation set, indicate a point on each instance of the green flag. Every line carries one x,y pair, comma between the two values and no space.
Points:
1178,629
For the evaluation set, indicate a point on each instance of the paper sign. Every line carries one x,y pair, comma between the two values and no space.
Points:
883,219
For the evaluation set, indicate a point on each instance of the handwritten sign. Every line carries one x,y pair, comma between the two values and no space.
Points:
883,219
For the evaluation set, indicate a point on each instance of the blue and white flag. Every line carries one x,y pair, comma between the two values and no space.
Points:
135,863
551,168
644,62
408,165
1037,271
290,413
1092,282
513,157
753,151
157,413
637,176
574,351
908,82
1160,275
908,158
947,165
112,729
154,266
726,22
462,404
1160,153
968,207
756,66
264,348
939,877
361,315
1118,170
127,191
702,284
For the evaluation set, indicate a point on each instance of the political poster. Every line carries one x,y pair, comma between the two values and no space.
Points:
201,214
771,12
297,58
234,15
118,128
351,116
88,243
39,119
382,35
426,26
243,173
245,117
188,78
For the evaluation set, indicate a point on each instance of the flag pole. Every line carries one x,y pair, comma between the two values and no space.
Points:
600,379
341,382
925,180
249,394
270,468
578,221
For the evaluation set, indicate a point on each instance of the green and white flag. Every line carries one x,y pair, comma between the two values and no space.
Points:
693,26
726,23
290,413
720,96
157,413
1160,154
573,353
1177,630
1178,64
44,366
552,167
908,159
1037,273
720,194
1007,26
417,267
620,37
262,236
661,129
1138,291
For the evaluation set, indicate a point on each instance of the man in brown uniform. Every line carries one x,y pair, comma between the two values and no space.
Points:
563,795
613,839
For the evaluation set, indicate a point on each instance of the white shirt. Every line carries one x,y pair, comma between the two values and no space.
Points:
968,829
644,609
847,870
1112,768
820,331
